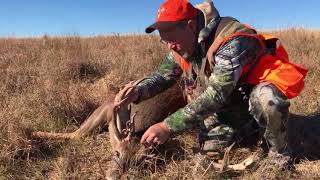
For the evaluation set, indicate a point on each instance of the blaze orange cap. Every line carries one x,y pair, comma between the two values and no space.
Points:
172,11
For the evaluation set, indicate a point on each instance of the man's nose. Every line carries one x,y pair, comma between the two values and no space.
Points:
171,45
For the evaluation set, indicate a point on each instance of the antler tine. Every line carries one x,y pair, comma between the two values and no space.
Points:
114,121
113,125
118,101
127,89
119,108
120,98
121,94
131,127
115,133
129,109
128,123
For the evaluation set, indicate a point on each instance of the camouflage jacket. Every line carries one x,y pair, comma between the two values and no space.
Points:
229,60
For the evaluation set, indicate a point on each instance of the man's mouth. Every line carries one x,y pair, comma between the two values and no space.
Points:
185,55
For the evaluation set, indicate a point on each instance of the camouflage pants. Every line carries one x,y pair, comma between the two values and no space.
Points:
262,108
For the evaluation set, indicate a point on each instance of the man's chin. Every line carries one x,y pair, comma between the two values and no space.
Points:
184,55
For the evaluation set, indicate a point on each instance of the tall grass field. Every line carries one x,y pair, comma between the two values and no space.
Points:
54,83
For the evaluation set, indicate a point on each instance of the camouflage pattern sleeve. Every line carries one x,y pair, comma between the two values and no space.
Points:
228,68
166,75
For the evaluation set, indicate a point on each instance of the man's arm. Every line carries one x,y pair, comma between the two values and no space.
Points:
228,68
168,72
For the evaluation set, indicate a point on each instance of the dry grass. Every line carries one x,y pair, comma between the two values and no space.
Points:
53,84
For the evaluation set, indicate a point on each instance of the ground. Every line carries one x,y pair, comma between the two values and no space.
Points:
54,83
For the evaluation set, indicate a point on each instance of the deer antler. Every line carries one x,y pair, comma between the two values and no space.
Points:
121,127
121,113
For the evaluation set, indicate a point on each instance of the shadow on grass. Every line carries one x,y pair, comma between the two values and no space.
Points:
160,156
303,141
304,135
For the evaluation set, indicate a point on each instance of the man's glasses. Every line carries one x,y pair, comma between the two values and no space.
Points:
167,42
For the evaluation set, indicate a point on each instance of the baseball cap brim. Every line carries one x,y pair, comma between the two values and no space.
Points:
162,25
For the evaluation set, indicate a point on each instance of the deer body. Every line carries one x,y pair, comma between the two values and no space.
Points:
116,116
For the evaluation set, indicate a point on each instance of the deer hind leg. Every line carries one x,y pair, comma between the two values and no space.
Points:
97,118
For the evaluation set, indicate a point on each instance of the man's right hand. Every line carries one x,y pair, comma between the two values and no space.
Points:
156,134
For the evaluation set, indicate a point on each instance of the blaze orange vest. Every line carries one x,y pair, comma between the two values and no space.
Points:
277,69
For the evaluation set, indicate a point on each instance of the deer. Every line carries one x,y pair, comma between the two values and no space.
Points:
123,127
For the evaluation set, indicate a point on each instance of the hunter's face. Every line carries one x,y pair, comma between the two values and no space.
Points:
181,38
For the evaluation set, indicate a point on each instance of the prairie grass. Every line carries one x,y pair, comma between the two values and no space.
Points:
54,83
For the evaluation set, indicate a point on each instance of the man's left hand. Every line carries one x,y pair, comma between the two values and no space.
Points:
156,134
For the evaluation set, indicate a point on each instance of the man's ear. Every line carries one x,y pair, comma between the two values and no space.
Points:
191,24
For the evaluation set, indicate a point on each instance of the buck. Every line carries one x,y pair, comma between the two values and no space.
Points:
123,127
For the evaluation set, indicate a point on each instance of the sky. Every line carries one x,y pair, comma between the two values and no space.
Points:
25,18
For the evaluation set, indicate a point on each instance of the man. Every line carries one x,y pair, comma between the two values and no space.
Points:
221,102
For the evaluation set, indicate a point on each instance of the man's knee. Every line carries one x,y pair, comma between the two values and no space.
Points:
270,108
266,99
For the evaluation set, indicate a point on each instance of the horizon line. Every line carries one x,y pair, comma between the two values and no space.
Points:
131,33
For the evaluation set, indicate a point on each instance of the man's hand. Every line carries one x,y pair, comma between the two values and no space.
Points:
156,134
